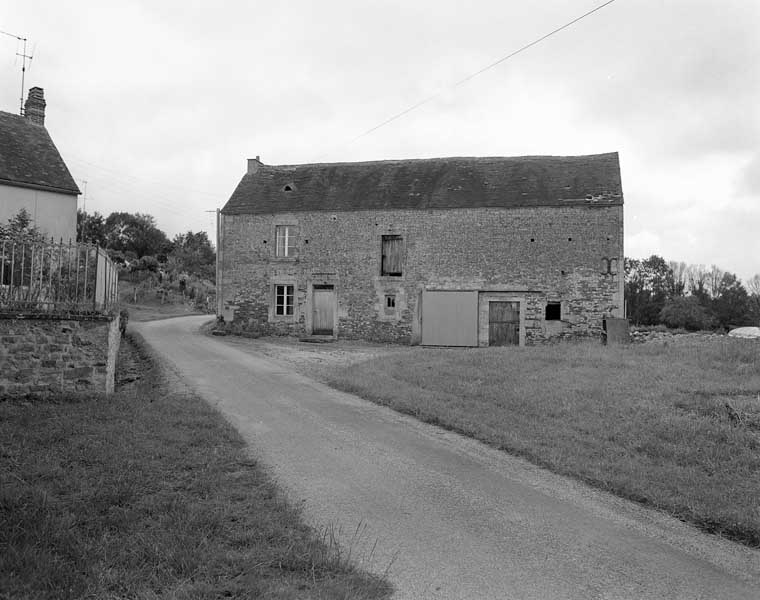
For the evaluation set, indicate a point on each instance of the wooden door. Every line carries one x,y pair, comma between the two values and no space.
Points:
503,323
323,322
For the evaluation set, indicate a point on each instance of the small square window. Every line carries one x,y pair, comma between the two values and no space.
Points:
390,301
283,300
553,311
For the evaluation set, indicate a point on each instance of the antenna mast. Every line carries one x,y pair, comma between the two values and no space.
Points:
24,56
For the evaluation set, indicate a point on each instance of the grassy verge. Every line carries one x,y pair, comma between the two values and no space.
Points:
673,426
147,494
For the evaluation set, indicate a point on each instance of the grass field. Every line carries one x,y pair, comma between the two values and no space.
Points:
150,494
648,422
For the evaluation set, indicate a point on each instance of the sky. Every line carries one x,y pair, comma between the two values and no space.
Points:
158,104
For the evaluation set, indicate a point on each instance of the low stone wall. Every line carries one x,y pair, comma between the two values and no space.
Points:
43,355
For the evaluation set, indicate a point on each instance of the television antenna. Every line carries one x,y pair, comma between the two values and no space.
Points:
24,57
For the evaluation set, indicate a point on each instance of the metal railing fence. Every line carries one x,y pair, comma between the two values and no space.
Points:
41,276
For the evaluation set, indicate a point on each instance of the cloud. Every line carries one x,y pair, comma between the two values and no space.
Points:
749,178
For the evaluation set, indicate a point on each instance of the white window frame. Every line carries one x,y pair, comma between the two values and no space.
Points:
284,242
284,306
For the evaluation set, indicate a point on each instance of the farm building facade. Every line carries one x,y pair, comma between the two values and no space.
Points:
449,251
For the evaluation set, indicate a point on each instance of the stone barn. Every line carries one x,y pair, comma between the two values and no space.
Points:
442,252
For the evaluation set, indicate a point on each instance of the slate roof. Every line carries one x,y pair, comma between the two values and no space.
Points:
29,158
430,184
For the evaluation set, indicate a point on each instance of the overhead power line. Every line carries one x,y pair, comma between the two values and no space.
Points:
480,71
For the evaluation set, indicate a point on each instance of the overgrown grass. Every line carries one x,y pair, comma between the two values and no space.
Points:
148,494
647,422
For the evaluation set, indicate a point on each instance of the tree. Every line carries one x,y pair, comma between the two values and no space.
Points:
91,228
731,304
680,280
714,281
194,254
753,287
648,285
686,313
697,276
136,233
21,226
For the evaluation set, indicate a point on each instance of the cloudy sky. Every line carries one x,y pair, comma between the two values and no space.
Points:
157,104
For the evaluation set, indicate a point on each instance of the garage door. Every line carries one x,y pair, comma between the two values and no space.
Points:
450,318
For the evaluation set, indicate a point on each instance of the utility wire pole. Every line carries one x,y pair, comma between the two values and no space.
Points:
24,56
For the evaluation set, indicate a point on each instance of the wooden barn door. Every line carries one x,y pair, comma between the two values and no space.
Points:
503,323
323,322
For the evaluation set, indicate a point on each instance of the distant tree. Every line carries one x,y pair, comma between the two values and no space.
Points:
680,280
91,228
648,285
753,285
753,288
686,313
715,281
194,254
136,233
731,305
697,276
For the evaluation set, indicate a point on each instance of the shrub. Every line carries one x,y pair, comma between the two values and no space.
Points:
686,313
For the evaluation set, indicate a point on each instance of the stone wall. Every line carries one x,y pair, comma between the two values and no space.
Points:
43,355
570,254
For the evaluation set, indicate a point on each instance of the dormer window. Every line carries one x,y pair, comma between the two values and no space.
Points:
288,187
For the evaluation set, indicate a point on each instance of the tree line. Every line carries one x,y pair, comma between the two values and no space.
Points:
692,297
134,240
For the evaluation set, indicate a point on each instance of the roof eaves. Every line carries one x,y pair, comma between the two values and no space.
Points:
75,191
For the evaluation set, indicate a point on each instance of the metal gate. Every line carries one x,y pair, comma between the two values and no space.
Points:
323,322
450,318
503,323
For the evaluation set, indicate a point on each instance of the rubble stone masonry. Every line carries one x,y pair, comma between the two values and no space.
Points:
567,254
43,355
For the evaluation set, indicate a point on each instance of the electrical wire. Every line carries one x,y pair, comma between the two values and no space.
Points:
480,71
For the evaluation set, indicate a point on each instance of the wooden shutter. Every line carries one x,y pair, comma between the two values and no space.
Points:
392,255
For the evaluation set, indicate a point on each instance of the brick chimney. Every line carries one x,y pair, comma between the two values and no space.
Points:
34,107
254,164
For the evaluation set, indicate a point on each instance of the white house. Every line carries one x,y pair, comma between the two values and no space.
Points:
33,174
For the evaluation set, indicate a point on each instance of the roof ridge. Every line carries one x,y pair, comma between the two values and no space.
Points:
439,158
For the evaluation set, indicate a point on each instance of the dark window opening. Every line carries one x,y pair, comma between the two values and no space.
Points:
391,260
553,311
390,301
283,300
569,239
287,188
532,239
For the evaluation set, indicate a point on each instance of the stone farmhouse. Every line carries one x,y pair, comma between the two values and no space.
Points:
444,251
32,173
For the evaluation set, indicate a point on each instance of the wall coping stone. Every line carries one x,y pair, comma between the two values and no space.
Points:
46,316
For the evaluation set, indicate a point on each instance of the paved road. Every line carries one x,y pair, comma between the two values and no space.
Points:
460,519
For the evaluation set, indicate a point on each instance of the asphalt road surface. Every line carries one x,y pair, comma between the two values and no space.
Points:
447,516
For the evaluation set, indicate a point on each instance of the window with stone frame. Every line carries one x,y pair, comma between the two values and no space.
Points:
391,261
284,300
285,241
